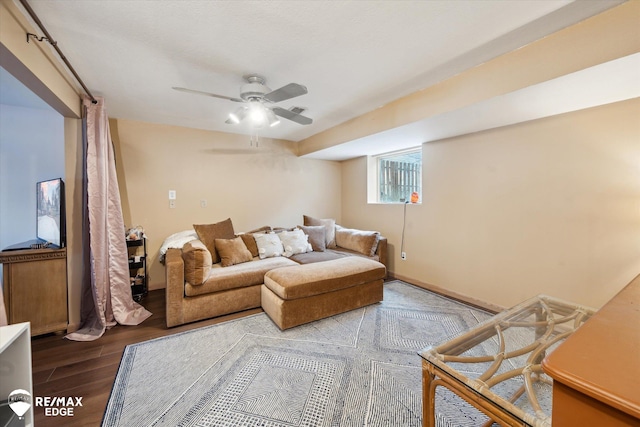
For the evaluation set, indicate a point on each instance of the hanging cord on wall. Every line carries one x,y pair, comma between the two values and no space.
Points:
47,37
404,223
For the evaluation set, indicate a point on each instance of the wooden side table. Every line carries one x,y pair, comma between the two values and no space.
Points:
35,288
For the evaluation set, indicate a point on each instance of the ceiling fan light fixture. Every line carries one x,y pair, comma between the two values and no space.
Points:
257,113
237,116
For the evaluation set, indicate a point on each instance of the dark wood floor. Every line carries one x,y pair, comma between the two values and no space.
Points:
66,368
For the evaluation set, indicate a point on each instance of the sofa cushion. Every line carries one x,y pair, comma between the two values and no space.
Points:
364,242
329,225
237,276
314,256
197,262
307,280
232,251
294,242
207,233
348,252
316,235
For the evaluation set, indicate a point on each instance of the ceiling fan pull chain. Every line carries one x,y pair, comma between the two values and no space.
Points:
255,138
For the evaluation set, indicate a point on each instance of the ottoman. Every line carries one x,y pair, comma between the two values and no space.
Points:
303,293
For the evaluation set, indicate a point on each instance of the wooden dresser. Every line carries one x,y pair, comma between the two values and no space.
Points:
35,288
596,371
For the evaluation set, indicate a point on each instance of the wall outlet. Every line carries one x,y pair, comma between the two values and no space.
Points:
172,194
403,256
203,203
172,204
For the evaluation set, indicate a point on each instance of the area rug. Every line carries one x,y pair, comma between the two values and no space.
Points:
359,368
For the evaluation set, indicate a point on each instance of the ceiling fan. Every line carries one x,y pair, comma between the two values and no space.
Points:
257,98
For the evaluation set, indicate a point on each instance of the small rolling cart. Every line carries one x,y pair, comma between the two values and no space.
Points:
137,251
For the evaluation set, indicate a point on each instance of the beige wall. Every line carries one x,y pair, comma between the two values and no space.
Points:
74,161
254,186
550,206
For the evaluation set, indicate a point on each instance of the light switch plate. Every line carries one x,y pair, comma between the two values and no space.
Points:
172,194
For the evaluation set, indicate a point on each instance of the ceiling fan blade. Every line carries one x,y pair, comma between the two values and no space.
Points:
197,92
290,115
286,92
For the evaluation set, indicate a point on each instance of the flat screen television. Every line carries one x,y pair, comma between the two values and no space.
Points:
50,208
50,217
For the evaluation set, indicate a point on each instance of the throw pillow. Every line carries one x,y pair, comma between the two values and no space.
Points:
250,241
364,242
316,235
208,233
294,242
232,251
197,262
269,245
329,225
281,229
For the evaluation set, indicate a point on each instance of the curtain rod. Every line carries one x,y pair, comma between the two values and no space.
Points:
53,43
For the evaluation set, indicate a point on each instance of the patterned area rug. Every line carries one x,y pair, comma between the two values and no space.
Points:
354,369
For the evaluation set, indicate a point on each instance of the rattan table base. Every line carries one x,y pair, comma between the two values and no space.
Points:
496,366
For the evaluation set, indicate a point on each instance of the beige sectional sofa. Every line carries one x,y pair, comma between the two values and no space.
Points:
205,278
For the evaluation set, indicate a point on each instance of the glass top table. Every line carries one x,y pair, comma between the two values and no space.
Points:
496,366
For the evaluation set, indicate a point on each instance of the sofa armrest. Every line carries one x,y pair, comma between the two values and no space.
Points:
381,251
174,274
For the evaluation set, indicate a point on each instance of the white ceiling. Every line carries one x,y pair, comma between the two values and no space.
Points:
353,56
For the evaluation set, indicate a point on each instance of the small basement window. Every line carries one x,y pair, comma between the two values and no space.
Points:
394,176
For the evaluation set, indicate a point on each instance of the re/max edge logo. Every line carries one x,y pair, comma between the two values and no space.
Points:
58,406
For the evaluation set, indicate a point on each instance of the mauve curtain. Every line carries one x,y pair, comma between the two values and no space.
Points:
106,299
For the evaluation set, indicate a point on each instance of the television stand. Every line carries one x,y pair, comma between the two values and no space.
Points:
35,288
